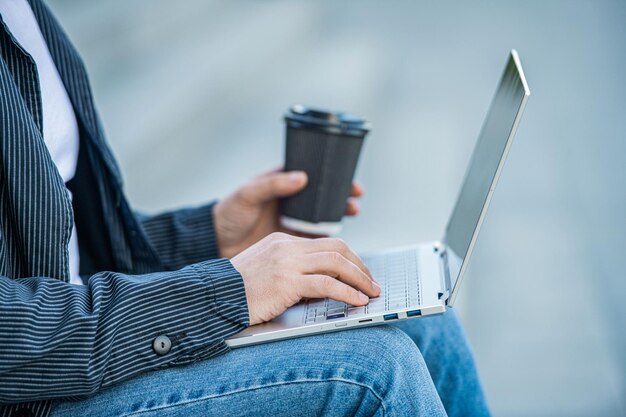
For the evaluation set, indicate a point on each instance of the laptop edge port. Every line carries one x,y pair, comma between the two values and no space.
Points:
414,313
390,316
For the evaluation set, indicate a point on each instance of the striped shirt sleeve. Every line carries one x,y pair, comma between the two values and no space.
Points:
61,340
182,237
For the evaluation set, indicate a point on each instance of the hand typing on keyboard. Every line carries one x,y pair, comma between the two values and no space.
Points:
280,270
396,273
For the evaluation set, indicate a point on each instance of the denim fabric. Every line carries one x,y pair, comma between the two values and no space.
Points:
376,371
450,361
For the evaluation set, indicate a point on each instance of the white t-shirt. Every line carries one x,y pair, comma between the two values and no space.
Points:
60,129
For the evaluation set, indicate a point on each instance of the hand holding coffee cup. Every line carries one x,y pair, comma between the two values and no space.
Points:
326,145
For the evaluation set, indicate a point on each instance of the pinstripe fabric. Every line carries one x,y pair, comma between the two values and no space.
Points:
63,341
187,246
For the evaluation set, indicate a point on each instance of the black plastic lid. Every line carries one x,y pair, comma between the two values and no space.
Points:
300,116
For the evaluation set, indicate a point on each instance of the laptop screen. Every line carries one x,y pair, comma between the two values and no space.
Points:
484,168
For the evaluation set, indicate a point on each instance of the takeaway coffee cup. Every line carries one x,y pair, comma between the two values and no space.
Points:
326,145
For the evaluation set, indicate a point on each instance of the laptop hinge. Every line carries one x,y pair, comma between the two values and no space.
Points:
444,294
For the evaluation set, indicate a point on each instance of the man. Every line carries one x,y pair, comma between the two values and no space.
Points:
106,312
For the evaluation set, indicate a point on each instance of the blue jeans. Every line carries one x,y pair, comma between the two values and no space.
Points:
377,371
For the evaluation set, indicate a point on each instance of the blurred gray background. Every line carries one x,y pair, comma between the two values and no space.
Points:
192,93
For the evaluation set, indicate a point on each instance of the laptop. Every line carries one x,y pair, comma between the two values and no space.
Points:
420,280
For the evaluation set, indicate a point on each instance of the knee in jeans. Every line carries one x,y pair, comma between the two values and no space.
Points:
390,356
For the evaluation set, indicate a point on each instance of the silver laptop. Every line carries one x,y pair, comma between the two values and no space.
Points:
420,280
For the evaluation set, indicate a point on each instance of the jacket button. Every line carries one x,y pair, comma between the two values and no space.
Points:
162,345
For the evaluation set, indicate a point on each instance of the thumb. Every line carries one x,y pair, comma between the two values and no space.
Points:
274,185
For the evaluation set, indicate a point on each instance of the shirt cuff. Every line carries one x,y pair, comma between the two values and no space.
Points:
226,313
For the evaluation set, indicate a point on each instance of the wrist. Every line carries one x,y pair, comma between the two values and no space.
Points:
223,247
240,266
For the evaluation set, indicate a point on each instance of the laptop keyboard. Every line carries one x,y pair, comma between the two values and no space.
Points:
397,274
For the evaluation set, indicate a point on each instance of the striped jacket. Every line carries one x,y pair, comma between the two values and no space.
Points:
63,341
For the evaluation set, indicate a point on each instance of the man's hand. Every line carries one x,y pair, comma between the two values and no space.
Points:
251,212
280,270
